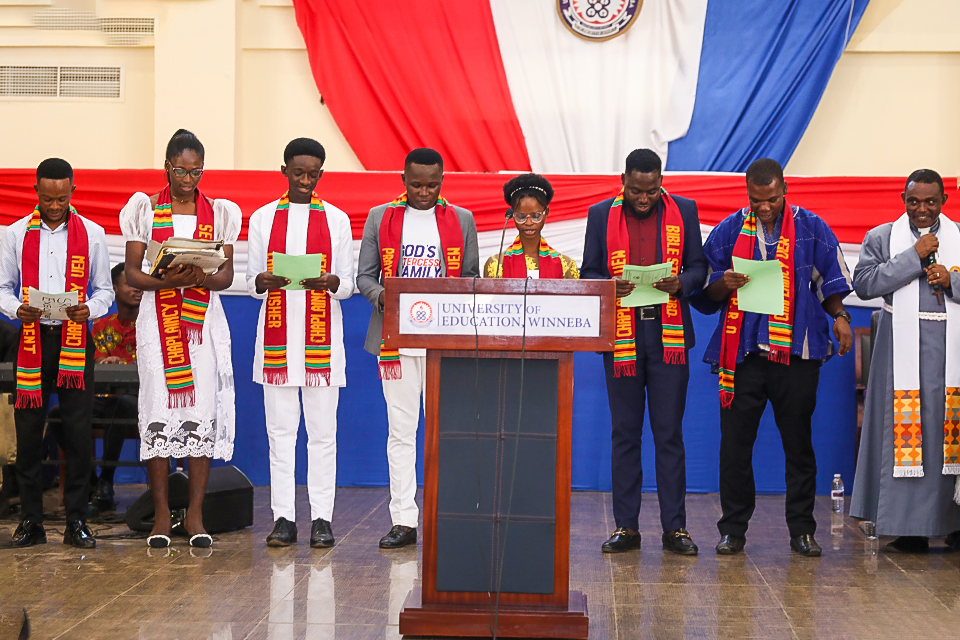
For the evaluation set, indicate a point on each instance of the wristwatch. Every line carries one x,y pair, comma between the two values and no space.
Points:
843,314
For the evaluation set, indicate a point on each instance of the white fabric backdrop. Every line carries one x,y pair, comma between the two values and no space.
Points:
569,92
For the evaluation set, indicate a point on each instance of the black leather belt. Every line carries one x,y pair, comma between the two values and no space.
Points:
648,313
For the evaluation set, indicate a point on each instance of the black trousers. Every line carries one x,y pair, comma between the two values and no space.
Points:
104,408
792,392
666,385
76,406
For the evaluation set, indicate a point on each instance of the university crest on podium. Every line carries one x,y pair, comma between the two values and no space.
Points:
598,19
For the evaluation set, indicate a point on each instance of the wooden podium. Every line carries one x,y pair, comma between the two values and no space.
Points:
499,397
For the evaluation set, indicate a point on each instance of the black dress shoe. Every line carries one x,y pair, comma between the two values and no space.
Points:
103,496
621,540
679,542
909,544
805,545
399,536
284,533
953,540
78,534
29,533
730,545
321,535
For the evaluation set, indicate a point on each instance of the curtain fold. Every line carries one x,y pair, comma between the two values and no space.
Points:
417,73
584,105
763,69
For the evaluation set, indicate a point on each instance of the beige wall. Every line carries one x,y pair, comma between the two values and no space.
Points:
893,102
236,73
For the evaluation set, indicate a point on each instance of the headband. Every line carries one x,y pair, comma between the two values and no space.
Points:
514,192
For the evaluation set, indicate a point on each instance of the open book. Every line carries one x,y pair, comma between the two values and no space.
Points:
206,254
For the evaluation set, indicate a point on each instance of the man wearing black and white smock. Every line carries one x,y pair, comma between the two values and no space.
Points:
282,394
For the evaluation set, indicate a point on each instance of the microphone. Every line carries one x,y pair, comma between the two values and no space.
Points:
509,216
931,259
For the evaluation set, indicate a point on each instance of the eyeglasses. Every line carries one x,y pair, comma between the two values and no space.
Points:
180,172
536,216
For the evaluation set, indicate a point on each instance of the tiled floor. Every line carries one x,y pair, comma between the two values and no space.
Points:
242,589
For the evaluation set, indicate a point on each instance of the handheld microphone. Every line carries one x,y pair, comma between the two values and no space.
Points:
931,259
509,216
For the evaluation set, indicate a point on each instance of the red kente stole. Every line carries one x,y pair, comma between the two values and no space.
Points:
180,313
618,255
317,323
515,263
780,328
391,229
73,339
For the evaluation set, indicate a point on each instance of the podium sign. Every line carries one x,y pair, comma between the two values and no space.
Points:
490,315
499,414
461,313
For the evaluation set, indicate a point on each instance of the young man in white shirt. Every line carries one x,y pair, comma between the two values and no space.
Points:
418,235
299,350
54,250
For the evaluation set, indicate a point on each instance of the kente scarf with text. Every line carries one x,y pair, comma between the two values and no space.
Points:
73,340
180,314
391,229
779,328
618,255
317,323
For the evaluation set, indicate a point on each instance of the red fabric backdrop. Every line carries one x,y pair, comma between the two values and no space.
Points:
451,95
851,206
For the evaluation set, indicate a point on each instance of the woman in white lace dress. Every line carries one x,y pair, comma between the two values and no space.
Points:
186,403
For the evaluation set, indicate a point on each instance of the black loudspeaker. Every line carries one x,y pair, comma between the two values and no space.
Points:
227,505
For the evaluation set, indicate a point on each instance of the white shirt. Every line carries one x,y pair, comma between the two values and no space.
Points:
421,251
53,266
341,265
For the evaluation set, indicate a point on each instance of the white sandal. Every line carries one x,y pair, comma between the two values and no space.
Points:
201,540
158,541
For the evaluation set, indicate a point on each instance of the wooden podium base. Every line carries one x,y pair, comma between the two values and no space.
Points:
476,622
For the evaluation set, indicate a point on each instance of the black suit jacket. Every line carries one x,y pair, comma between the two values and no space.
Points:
693,264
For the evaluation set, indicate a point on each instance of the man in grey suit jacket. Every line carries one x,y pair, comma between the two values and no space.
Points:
431,243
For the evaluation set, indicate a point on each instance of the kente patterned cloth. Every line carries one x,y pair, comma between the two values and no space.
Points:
907,432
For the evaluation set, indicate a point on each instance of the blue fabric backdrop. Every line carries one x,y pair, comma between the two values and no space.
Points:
362,431
763,68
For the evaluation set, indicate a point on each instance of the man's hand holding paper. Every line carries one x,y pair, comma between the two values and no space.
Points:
763,291
645,294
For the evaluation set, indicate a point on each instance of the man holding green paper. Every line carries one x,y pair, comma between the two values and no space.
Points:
648,241
770,343
300,263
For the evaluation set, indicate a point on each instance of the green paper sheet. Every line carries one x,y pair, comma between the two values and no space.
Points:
764,292
644,295
297,268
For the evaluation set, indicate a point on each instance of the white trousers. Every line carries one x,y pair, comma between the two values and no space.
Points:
403,416
282,405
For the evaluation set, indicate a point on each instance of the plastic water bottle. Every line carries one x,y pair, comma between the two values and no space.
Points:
836,493
836,529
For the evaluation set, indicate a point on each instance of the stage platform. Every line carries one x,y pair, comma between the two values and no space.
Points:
242,589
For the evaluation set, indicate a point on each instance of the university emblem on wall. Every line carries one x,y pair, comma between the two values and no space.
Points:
598,19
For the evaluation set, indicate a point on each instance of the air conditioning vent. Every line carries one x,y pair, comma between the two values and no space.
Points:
90,82
64,82
29,81
65,19
127,25
118,31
